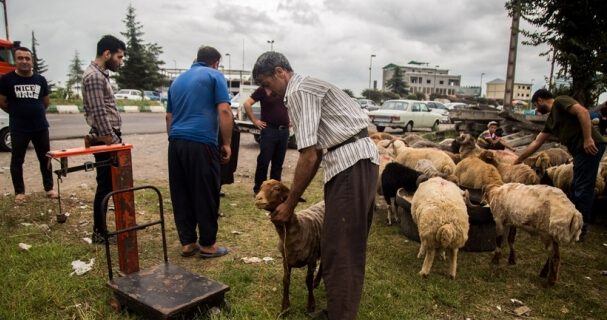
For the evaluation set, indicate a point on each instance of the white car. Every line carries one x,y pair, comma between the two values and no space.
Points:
128,94
5,134
405,114
455,105
439,109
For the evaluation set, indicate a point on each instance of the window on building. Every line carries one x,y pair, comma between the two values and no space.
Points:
441,82
428,81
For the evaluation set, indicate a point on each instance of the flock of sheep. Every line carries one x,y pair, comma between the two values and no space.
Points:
436,176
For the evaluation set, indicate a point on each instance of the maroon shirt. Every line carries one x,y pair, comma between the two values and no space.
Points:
273,110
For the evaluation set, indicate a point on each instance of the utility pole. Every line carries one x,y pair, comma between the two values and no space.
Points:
370,66
516,17
5,18
480,94
229,71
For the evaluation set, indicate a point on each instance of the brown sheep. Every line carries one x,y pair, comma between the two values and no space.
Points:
299,238
562,177
378,136
476,173
545,159
538,209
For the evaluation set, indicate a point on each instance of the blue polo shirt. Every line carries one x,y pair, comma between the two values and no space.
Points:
193,98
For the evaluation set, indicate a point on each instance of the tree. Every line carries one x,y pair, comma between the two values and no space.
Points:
379,96
576,34
39,64
74,76
349,92
141,68
397,83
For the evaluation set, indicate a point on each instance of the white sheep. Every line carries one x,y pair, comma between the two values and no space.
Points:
562,177
537,209
299,238
439,211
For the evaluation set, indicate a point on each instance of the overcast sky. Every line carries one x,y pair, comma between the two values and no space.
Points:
331,39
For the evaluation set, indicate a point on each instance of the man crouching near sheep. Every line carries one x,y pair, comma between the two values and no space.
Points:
570,122
324,117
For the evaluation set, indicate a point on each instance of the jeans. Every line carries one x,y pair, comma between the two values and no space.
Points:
20,141
272,148
585,168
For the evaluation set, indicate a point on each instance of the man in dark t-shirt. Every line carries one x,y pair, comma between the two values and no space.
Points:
569,121
274,137
24,96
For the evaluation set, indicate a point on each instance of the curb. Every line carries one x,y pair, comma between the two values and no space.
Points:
67,109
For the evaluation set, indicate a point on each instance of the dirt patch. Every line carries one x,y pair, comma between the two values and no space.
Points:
149,157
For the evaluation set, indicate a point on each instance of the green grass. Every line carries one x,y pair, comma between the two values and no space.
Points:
36,284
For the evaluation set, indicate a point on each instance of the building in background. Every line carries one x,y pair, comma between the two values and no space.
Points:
496,89
427,80
468,92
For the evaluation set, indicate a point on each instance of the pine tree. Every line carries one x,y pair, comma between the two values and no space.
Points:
141,69
74,76
397,83
40,66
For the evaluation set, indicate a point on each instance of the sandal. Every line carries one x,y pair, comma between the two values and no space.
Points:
20,198
221,251
191,252
52,194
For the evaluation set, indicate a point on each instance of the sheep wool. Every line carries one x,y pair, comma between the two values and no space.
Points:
410,156
439,210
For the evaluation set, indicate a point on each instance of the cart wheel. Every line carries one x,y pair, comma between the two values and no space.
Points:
115,304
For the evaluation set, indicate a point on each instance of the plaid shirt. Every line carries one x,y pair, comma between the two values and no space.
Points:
99,104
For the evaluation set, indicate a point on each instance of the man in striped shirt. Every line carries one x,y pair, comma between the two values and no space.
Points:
102,116
326,118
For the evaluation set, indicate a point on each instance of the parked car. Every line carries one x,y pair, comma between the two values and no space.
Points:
405,114
367,104
5,134
128,94
151,95
455,105
440,109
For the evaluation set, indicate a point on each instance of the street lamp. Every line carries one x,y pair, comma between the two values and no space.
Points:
370,67
434,82
480,94
229,71
271,42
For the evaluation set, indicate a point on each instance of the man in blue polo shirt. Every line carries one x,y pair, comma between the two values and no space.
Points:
198,108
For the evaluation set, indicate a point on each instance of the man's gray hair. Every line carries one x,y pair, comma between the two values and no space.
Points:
267,63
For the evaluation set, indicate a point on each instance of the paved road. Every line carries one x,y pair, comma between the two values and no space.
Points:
67,126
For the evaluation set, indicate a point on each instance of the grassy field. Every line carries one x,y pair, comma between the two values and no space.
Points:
36,284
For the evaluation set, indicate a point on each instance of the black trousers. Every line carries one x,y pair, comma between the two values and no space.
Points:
349,201
585,168
20,141
272,148
194,182
104,186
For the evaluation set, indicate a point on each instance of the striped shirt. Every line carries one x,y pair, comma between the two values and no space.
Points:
99,103
324,116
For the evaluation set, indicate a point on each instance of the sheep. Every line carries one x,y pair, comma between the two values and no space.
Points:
538,209
520,173
426,167
299,238
409,157
545,159
394,177
411,139
439,211
562,177
475,172
378,136
468,147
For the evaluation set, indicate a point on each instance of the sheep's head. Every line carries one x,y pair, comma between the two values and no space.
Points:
488,191
541,163
271,194
488,157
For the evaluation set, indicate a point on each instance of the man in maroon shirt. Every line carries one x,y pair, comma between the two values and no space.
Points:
274,137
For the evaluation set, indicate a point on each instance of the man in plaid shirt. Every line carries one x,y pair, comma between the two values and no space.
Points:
103,117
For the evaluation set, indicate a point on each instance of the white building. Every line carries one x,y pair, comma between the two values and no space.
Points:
427,80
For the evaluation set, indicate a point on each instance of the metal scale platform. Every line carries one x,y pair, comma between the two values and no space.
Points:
164,291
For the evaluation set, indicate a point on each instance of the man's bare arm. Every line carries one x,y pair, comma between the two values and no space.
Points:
583,117
248,108
533,146
3,104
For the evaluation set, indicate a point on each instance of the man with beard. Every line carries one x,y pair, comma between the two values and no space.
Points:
569,121
24,96
102,116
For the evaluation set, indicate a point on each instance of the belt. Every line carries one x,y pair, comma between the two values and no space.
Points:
360,135
279,127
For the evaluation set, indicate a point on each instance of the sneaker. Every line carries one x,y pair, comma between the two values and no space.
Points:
98,238
20,198
52,194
